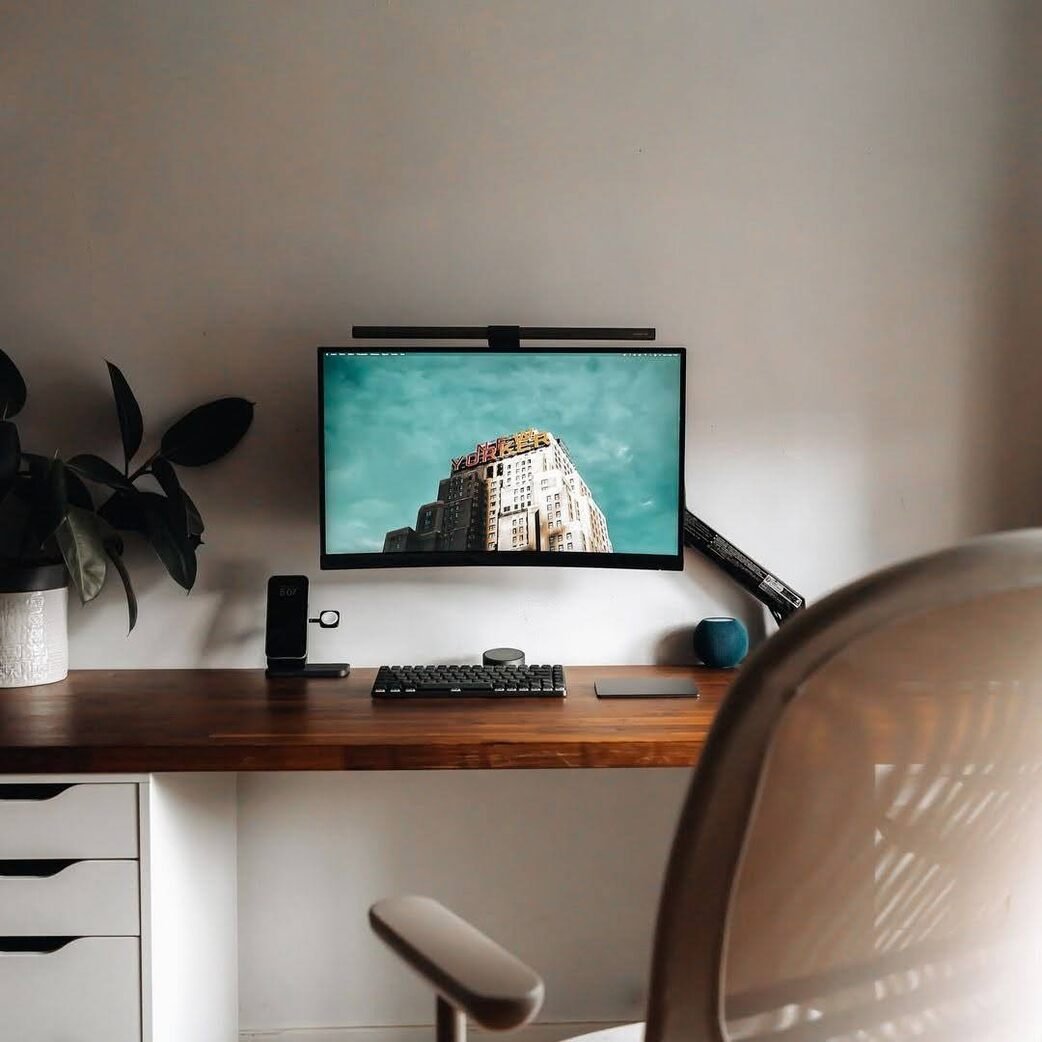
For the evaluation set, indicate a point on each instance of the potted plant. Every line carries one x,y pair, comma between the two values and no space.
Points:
62,522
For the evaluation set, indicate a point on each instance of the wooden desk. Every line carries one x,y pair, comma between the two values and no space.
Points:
143,721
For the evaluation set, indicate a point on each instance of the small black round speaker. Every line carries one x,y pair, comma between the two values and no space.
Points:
503,657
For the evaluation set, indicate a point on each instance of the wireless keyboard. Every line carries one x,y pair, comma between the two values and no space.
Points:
469,682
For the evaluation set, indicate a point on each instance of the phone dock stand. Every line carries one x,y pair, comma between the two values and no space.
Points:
299,666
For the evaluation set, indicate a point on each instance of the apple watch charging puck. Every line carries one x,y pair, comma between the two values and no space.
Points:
503,657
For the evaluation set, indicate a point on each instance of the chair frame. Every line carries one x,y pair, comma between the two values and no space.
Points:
687,987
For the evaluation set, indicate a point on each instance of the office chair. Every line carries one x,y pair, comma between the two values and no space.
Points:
859,856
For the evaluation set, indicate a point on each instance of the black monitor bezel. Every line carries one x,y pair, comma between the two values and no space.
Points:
498,558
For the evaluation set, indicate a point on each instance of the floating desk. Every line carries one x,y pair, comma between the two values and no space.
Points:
149,721
125,783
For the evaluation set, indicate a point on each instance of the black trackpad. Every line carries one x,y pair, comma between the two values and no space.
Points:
646,687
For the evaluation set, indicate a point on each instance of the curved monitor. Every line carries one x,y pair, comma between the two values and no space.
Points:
538,456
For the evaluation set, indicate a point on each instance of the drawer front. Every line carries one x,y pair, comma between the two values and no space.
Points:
86,991
93,820
76,900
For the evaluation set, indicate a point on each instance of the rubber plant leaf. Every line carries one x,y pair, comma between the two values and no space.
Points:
195,521
128,412
76,491
54,503
10,456
113,543
163,526
83,551
99,470
208,432
122,510
116,560
12,388
164,473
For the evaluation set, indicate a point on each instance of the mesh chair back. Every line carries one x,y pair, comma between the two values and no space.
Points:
860,854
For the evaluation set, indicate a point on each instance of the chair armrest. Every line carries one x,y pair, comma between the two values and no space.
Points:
469,969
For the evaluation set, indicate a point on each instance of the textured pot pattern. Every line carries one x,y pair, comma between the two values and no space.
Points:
34,637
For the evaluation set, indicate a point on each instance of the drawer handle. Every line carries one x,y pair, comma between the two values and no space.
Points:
42,791
33,945
39,869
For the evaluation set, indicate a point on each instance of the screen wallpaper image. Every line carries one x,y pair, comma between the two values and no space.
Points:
470,451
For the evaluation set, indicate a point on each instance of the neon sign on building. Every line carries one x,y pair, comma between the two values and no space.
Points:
501,448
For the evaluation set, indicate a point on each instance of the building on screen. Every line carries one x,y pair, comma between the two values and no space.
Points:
517,492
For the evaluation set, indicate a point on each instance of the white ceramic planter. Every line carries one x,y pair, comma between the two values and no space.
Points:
34,631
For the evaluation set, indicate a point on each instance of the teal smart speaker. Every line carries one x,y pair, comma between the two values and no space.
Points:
721,642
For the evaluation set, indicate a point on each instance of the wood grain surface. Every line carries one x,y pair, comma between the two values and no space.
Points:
236,720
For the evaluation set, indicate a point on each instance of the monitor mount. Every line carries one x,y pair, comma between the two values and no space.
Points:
503,337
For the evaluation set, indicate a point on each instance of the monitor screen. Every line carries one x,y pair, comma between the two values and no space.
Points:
549,456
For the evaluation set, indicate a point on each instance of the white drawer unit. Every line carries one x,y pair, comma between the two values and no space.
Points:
68,821
77,899
85,990
118,908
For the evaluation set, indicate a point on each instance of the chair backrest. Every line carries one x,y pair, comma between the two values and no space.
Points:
860,852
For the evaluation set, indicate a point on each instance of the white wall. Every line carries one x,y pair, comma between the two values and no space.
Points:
822,200
560,866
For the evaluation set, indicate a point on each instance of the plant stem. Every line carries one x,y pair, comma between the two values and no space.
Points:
143,469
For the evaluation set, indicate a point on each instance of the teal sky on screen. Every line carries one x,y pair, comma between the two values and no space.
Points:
393,424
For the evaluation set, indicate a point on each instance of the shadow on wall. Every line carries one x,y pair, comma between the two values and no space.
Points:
237,624
1016,472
